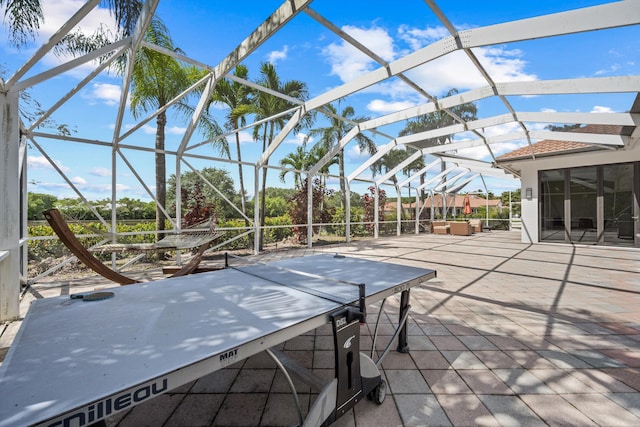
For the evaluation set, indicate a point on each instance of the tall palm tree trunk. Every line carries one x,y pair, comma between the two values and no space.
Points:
161,175
343,186
241,177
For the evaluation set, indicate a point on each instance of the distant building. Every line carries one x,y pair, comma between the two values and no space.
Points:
451,202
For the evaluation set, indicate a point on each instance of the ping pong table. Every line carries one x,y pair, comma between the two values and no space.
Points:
75,362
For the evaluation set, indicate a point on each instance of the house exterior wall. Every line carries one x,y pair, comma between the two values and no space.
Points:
529,179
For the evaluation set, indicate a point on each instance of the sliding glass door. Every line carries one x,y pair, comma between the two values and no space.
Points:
583,192
552,205
618,204
591,205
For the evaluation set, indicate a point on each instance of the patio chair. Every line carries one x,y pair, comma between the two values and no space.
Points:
476,224
460,228
439,227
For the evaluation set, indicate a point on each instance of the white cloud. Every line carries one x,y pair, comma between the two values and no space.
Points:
244,137
175,130
384,107
612,69
170,130
40,162
78,180
103,93
601,109
504,65
453,70
100,171
354,153
418,38
299,139
278,55
347,62
481,153
58,12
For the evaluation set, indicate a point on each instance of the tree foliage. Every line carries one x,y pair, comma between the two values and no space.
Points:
369,207
440,119
299,204
331,135
196,193
23,18
265,105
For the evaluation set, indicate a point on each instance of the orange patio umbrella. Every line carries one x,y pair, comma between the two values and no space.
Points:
467,205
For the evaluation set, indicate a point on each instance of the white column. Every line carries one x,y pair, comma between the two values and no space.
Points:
9,206
376,216
347,211
256,210
309,211
399,212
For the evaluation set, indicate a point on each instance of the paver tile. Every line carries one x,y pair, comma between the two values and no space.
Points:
196,410
484,382
556,411
406,381
430,360
466,410
421,410
510,411
602,410
521,381
445,382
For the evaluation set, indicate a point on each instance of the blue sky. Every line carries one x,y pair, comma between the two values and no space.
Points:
304,50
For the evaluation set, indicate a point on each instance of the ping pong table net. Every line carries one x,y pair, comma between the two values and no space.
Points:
189,239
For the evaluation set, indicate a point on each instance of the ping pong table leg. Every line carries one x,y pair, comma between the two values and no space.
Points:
403,343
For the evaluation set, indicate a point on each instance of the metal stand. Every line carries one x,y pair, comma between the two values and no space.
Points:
356,374
403,343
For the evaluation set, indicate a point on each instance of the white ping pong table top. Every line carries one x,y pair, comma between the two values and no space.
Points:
74,361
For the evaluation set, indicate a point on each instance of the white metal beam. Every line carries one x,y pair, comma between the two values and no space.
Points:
450,181
611,15
587,138
334,150
291,124
114,48
438,177
463,183
371,160
419,173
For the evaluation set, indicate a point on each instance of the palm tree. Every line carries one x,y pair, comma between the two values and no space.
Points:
299,160
24,17
316,153
237,97
439,119
265,106
156,80
331,135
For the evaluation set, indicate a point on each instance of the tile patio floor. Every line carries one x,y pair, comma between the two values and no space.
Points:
509,334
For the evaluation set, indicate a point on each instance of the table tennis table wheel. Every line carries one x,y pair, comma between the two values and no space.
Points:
379,393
